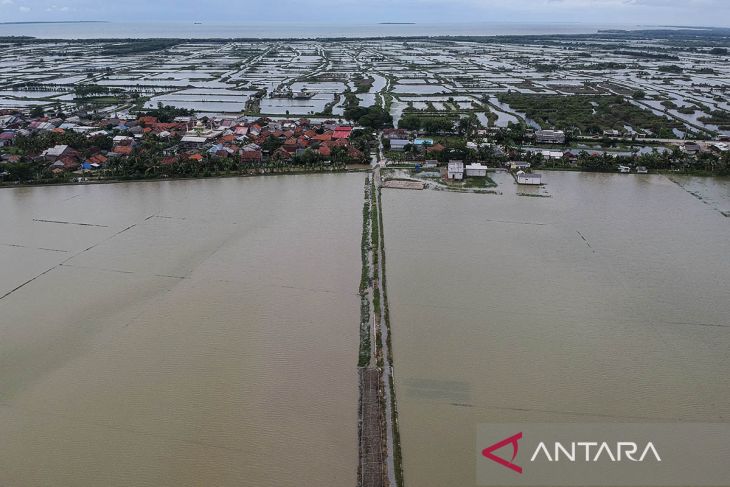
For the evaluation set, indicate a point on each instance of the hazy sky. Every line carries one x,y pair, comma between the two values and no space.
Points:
644,12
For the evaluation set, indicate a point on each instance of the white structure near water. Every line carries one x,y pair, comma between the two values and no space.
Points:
456,170
476,170
531,179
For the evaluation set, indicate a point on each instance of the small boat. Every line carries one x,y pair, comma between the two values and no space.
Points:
642,170
624,169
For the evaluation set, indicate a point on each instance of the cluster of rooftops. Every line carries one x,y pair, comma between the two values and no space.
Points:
184,137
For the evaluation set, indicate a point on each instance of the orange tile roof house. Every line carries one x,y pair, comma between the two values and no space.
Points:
342,133
123,150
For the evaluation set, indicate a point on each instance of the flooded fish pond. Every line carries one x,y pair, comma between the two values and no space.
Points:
605,302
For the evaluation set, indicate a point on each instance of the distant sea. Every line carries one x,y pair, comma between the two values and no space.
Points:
119,30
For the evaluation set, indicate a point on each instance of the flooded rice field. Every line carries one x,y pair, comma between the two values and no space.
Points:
604,302
180,333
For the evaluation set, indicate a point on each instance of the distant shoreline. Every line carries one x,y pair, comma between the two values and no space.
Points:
56,22
16,32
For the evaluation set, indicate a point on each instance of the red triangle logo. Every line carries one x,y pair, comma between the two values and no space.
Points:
512,440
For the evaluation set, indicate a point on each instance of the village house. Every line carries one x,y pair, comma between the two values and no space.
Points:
455,170
399,145
342,133
476,169
251,156
391,134
530,179
122,140
7,121
550,137
690,148
58,151
6,138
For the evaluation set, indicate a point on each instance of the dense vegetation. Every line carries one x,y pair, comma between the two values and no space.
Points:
374,117
671,68
167,113
84,91
646,55
577,111
429,124
138,46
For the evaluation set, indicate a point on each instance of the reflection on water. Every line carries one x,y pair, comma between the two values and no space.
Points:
606,301
180,333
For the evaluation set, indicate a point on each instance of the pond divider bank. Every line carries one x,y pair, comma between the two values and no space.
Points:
380,458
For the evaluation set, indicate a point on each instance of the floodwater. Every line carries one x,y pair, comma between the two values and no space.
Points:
180,333
606,302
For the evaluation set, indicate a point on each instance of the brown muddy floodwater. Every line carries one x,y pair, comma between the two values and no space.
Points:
606,302
180,333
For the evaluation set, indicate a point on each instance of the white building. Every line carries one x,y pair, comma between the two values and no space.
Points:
193,140
529,178
399,145
476,170
550,137
552,154
200,135
122,140
55,152
456,170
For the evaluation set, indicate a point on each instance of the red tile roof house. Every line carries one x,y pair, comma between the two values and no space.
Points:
281,154
290,145
97,159
173,128
342,133
251,156
324,151
65,163
147,121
